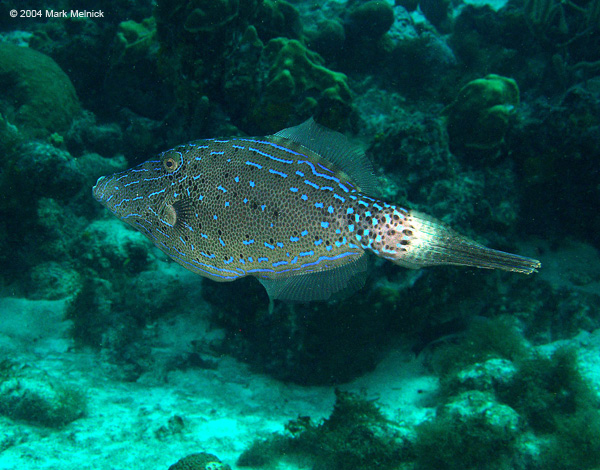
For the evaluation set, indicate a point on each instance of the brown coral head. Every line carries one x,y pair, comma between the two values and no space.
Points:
200,461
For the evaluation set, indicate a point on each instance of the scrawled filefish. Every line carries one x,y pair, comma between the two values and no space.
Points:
292,209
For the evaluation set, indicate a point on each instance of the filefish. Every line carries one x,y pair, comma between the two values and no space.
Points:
295,209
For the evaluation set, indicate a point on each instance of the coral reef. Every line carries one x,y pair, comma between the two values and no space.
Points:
259,66
380,69
537,392
554,136
37,96
369,20
480,115
133,79
278,18
297,80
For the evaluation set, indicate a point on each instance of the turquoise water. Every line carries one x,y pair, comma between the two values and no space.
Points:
483,115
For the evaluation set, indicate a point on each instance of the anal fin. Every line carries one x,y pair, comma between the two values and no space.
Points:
335,283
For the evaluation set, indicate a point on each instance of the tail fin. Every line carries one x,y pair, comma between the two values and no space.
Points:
429,242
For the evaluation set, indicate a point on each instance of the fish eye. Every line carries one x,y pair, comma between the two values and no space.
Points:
170,164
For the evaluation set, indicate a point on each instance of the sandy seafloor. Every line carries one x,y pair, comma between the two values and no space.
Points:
127,425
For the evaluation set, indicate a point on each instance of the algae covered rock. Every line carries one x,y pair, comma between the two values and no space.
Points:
200,461
40,169
356,436
35,94
51,280
86,135
485,376
480,115
32,395
110,246
471,431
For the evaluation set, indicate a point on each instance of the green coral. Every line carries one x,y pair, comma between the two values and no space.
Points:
298,79
480,115
133,40
35,94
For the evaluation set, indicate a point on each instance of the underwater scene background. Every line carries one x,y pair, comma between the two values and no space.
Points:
482,113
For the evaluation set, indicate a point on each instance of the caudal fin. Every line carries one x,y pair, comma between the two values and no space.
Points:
429,242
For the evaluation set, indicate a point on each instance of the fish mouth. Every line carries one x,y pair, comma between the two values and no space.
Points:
97,190
106,193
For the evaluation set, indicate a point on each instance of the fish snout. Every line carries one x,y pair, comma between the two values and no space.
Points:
109,192
97,190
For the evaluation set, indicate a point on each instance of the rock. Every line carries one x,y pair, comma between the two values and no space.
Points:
30,394
51,280
486,376
210,15
40,169
85,135
110,245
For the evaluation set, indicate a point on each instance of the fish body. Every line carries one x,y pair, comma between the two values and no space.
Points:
293,209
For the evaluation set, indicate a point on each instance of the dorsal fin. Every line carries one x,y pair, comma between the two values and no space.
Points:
337,149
